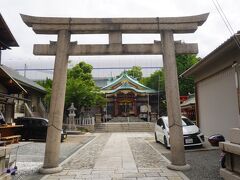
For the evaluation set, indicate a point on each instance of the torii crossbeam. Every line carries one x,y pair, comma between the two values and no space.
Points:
114,27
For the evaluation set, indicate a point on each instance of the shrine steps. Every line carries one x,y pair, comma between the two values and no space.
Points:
125,119
125,127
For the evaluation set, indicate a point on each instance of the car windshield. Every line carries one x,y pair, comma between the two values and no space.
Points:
185,122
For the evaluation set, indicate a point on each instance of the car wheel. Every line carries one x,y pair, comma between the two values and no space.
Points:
156,138
165,142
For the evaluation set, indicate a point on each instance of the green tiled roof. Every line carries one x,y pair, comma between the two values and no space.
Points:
124,83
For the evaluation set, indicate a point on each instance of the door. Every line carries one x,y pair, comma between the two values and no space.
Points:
125,109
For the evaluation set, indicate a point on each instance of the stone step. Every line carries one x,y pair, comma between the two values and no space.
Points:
125,127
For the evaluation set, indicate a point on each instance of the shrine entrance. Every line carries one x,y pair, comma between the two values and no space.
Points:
126,95
125,108
115,28
125,104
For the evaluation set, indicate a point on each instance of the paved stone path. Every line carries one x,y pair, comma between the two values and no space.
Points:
118,156
30,155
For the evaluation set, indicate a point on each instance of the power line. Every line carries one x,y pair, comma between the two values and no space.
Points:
226,21
96,68
224,15
230,26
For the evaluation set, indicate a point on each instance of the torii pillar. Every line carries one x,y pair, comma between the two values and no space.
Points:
173,102
115,27
51,158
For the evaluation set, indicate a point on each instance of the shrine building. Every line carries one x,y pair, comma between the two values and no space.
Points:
127,97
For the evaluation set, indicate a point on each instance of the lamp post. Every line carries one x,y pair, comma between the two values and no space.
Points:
71,122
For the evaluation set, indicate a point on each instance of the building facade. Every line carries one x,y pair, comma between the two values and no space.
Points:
217,81
128,97
217,78
19,96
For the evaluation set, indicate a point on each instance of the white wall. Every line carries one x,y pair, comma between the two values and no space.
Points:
218,103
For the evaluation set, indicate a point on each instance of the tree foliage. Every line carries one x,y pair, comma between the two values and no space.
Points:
184,62
47,84
186,85
81,89
155,81
135,72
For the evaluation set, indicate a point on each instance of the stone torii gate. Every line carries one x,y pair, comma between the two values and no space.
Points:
114,27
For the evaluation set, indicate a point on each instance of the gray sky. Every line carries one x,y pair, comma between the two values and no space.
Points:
209,36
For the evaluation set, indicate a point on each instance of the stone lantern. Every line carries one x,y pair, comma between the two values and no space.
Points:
71,117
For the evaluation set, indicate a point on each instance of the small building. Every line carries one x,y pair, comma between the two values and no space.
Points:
7,40
126,97
217,83
188,108
19,96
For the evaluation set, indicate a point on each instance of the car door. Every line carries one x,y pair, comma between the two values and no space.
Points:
34,128
160,130
40,127
27,128
43,129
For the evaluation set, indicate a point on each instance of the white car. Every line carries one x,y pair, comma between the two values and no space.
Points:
191,133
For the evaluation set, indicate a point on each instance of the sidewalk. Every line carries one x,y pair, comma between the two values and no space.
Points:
117,156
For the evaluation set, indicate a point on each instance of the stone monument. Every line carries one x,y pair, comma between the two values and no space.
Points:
71,118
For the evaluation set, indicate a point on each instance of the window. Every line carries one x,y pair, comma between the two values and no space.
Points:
44,123
187,122
160,122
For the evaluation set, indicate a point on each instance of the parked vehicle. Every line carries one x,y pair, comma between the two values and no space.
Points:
35,128
191,133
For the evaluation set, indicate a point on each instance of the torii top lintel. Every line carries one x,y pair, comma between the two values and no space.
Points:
51,25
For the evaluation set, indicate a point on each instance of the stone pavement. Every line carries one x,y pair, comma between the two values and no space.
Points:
117,156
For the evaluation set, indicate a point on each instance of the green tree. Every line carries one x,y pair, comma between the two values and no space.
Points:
184,62
135,72
47,84
81,89
155,81
186,85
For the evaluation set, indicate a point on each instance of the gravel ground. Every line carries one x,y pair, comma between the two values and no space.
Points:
86,158
144,155
31,155
204,163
